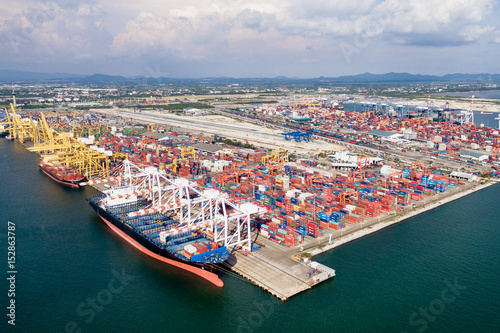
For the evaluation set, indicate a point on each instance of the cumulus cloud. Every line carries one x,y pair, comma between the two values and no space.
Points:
444,22
186,30
242,30
174,34
49,29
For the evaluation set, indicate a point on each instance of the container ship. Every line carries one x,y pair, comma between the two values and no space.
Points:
158,235
62,174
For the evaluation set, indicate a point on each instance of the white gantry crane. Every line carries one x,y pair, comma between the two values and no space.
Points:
194,208
467,116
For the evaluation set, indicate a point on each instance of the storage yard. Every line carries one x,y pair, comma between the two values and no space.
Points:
320,175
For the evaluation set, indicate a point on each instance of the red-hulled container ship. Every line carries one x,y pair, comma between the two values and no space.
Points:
189,250
62,174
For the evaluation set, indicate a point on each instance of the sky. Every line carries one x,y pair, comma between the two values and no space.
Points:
250,38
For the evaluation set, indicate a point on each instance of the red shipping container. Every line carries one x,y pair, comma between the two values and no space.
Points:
416,197
200,248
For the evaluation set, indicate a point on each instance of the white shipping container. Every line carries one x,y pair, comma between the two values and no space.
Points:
291,193
190,248
350,207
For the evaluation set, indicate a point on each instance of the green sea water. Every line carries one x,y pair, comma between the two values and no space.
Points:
437,272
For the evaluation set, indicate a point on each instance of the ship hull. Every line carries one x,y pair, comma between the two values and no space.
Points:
69,183
150,249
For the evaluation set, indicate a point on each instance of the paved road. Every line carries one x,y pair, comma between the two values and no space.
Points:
259,135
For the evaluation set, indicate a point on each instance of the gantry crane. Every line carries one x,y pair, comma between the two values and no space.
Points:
395,175
358,173
313,178
347,194
64,149
418,166
275,165
495,154
363,162
195,209
175,162
277,153
7,124
20,129
186,151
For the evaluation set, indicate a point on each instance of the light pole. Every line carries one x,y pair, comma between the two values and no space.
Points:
253,186
314,208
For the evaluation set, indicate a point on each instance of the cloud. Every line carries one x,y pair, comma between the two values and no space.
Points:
236,31
194,31
441,23
174,34
49,30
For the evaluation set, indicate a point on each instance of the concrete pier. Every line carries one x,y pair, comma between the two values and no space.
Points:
279,280
282,276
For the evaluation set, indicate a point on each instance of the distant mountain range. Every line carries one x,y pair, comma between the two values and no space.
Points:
22,76
406,77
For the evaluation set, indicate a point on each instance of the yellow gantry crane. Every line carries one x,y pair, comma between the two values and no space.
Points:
275,154
47,135
186,151
7,123
21,129
58,148
64,149
173,165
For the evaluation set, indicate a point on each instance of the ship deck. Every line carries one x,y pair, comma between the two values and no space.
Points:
150,226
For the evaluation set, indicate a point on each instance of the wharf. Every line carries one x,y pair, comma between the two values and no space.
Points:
374,225
282,281
273,268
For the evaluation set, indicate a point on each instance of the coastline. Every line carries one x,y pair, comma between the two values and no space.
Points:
384,224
